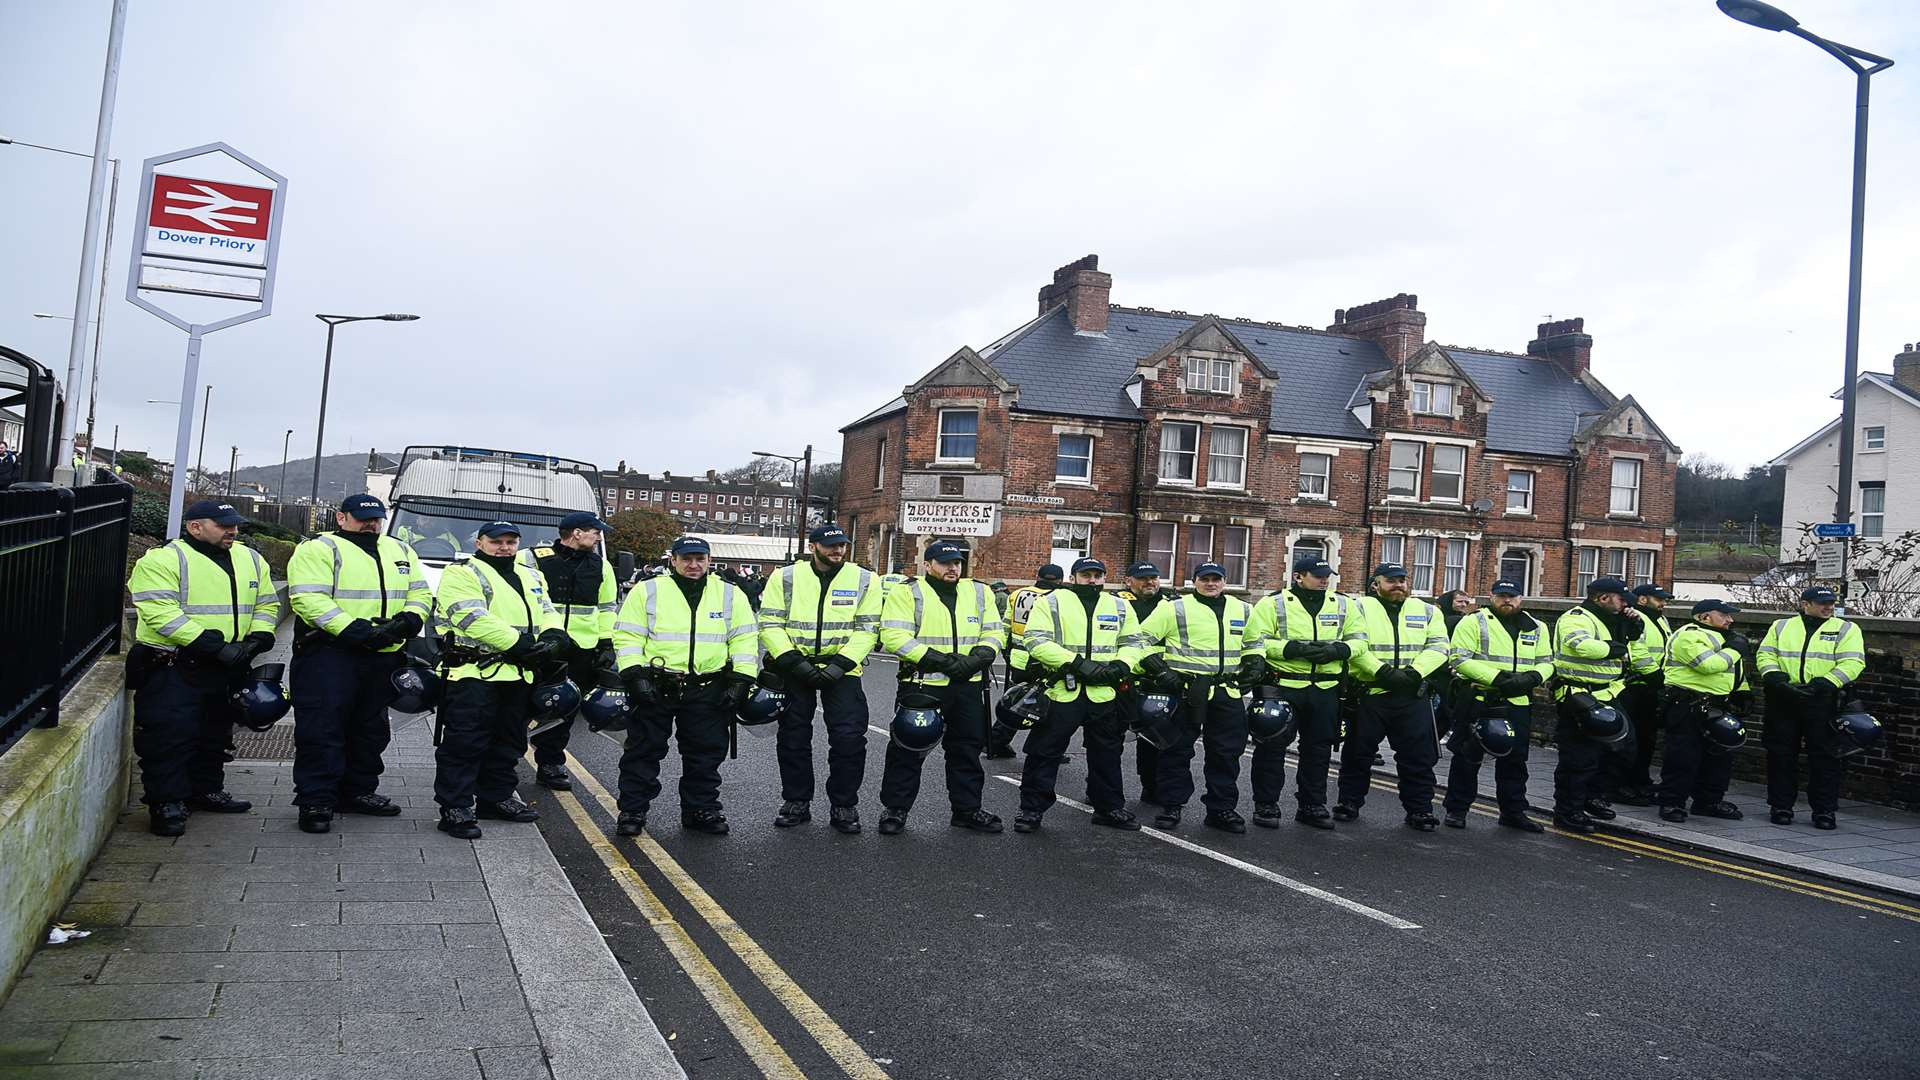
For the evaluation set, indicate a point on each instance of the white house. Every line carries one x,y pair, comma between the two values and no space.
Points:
1886,460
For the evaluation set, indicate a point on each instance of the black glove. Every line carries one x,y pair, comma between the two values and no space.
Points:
1334,650
234,656
1774,678
735,692
1824,694
934,662
790,663
558,638
642,687
1111,672
1399,680
1253,670
979,659
604,656
384,635
1164,678
1741,702
1631,625
1504,683
1738,643
530,652
260,641
360,633
837,666
1616,650
815,676
413,623
1300,650
1525,681
1083,669
206,646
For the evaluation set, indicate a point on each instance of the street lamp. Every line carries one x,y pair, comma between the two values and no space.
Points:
802,480
326,376
284,443
1768,17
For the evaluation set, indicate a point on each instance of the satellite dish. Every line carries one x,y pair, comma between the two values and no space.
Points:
1481,506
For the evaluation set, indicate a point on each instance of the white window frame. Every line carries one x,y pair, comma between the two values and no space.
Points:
1060,452
1643,562
941,436
1195,375
1617,562
1873,518
1071,532
1236,574
1419,463
1426,556
1195,556
1163,556
1301,545
1588,570
1426,395
1458,476
1868,441
1393,549
1240,459
1192,456
1454,571
1222,382
1524,558
1525,492
1629,506
1324,476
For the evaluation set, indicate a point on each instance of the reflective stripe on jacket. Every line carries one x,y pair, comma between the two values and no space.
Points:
1482,648
586,602
1281,617
1196,641
1836,651
841,619
1059,632
1698,659
914,620
332,581
1581,643
1416,639
655,623
1646,652
1019,610
484,612
180,594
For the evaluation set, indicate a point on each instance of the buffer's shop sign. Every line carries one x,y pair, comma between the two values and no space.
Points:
927,516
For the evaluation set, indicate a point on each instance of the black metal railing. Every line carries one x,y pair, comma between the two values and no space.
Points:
63,567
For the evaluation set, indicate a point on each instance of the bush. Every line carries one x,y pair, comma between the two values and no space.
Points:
149,515
254,528
275,551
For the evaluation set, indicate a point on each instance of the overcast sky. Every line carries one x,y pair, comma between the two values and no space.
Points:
677,234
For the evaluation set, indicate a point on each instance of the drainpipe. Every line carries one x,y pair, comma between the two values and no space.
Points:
1133,507
1573,501
1366,508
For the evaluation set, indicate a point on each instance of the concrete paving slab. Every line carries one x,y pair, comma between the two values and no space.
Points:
314,869
481,992
597,1030
459,890
212,1037
290,939
334,996
52,1004
427,1065
473,936
424,1029
60,969
417,911
342,891
131,871
408,872
514,1063
30,1044
428,964
93,915
138,1070
239,913
166,968
161,939
182,890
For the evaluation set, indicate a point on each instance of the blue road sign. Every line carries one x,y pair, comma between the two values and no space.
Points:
1836,528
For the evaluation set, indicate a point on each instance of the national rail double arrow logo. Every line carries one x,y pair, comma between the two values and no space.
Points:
213,214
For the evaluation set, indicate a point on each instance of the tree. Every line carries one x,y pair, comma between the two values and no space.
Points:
760,470
826,483
644,531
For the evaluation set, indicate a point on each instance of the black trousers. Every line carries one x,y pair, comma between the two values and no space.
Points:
181,721
1640,700
550,746
1406,722
963,708
1222,724
1146,756
701,726
999,735
1690,770
1577,778
1793,721
844,703
483,734
1509,773
1105,734
340,730
1317,710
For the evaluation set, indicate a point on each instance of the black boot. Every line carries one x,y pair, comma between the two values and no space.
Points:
1421,820
1122,819
1266,815
1313,816
316,819
792,812
219,802
553,777
1780,817
846,819
509,809
1455,819
1226,821
1026,821
1723,810
892,821
1600,810
1578,822
630,824
1518,819
1675,814
458,822
976,820
371,805
711,822
167,819
1345,812
1167,818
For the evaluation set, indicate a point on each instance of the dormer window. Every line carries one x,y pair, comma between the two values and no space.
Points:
1433,398
1209,376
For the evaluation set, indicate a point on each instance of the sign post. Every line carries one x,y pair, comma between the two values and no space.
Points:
1834,530
208,237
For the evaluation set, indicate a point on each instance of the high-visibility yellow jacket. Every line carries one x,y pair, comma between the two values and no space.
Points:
1197,641
332,581
586,606
915,620
1698,659
1482,648
1836,651
1647,653
1416,639
1581,643
840,619
180,594
485,612
1019,609
1281,617
655,623
1062,628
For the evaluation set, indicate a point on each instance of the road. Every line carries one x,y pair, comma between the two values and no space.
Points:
1372,951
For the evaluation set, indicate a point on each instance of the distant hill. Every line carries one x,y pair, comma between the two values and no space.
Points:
341,475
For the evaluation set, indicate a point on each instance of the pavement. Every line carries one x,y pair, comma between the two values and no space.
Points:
248,950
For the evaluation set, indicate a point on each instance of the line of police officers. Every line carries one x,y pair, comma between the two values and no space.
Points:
687,650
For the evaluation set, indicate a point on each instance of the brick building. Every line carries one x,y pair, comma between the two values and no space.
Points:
1131,433
706,503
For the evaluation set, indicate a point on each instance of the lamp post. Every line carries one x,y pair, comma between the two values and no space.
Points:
284,444
200,459
326,376
802,480
1767,17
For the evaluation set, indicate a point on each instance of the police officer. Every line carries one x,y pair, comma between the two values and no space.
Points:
688,650
1091,639
1499,657
1591,643
818,621
1704,666
358,596
947,632
1195,643
1630,779
1143,593
1019,608
205,610
1454,605
1804,662
1300,640
1405,641
504,628
581,585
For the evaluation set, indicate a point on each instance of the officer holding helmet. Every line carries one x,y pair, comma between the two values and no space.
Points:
1019,607
1591,646
504,628
1405,642
1629,779
1300,640
818,621
1805,661
1144,594
206,607
1091,639
1194,646
358,595
1499,656
688,650
1704,668
947,632
581,585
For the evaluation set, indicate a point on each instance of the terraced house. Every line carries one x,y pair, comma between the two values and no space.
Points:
1130,433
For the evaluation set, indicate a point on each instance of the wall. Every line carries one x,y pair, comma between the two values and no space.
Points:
61,789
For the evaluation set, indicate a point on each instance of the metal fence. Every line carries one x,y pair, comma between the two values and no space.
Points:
63,565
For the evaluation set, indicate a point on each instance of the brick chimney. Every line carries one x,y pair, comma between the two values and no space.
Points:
1565,342
1906,370
1084,289
712,477
1396,324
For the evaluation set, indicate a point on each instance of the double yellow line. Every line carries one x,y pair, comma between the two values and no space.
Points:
1818,891
760,1044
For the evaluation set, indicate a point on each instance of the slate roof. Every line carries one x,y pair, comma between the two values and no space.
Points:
1537,406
